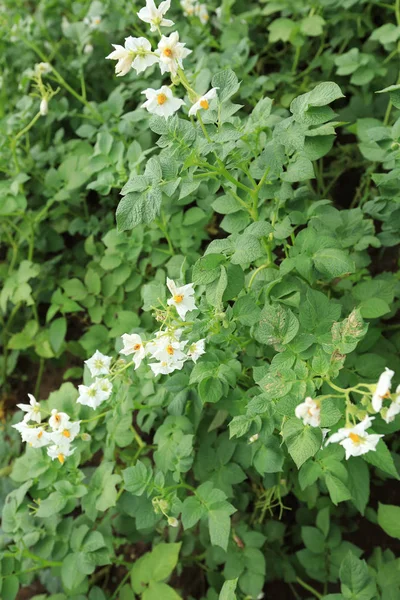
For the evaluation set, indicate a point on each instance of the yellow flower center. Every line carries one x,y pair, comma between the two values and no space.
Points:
61,458
39,435
170,350
355,438
137,347
204,104
167,52
66,433
178,298
99,364
57,418
161,98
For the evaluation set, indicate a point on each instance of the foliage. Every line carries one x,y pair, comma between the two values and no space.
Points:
214,294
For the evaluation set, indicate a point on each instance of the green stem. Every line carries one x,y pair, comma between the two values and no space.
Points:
39,377
309,588
96,417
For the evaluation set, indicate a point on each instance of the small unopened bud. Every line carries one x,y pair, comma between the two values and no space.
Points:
88,49
164,505
172,522
395,146
86,437
44,107
253,438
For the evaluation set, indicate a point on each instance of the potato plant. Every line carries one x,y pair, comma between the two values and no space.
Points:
199,301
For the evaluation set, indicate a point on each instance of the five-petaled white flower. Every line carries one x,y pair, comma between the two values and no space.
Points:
66,434
189,7
171,52
32,410
93,22
36,437
169,349
92,395
133,344
161,102
382,389
155,16
137,54
182,298
58,420
166,366
60,452
355,440
196,350
203,102
309,411
202,12
98,364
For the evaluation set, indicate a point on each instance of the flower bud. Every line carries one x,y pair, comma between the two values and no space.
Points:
253,438
88,49
86,437
44,107
172,522
164,505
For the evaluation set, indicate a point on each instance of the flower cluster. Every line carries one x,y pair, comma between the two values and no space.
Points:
354,437
168,351
167,348
138,54
192,8
57,434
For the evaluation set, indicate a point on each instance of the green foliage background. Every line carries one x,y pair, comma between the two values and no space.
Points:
284,212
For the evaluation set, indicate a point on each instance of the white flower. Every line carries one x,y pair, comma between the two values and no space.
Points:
171,52
44,107
382,389
32,410
196,350
165,367
87,49
203,102
93,22
202,12
60,452
92,395
394,408
161,102
309,411
189,7
43,68
98,364
155,16
36,437
253,438
133,344
104,387
66,434
58,420
136,54
355,440
169,349
182,298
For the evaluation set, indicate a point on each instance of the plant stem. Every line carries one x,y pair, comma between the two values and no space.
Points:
39,377
309,588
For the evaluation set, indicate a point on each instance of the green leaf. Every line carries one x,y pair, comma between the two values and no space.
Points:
228,590
227,82
163,560
9,587
389,519
160,591
192,511
382,459
51,505
357,583
135,209
137,478
219,524
299,170
338,491
358,482
57,331
303,441
372,308
333,262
